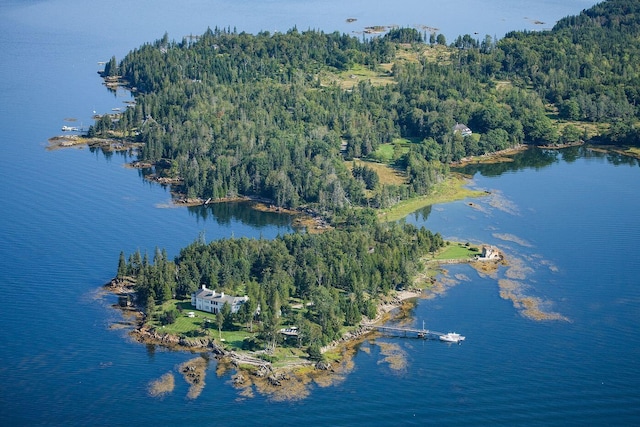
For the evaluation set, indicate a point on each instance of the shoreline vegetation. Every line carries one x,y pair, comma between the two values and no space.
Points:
289,377
109,144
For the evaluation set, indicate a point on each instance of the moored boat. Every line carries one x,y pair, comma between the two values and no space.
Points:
451,337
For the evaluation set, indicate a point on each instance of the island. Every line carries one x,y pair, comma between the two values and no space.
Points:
312,335
354,133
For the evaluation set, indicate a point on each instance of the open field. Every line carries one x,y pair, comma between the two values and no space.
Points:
383,74
451,189
415,52
457,251
386,153
386,173
349,78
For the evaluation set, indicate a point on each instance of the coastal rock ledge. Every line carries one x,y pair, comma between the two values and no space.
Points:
152,336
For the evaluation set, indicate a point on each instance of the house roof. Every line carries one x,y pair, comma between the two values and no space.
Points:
221,298
461,128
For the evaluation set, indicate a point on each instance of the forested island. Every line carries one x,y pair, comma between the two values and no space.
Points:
344,129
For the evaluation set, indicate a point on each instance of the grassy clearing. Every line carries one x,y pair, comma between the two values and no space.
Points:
457,251
386,153
333,355
438,54
350,78
449,190
383,75
386,173
203,324
200,325
409,53
590,129
503,84
413,53
232,339
288,355
183,324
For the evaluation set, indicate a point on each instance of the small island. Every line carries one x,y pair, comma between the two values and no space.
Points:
275,352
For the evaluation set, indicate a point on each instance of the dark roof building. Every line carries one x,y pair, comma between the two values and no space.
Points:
462,129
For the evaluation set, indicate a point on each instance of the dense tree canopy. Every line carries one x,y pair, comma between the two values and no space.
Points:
340,273
239,114
232,114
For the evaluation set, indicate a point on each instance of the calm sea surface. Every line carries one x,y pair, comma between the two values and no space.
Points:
567,220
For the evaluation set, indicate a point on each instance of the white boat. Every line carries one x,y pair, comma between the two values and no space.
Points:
451,337
70,129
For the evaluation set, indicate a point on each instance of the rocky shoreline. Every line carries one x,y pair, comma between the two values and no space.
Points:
251,371
559,146
289,381
495,157
145,334
304,217
78,141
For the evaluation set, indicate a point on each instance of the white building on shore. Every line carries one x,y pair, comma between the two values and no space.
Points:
211,301
489,253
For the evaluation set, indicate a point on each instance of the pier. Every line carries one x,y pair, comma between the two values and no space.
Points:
423,333
410,332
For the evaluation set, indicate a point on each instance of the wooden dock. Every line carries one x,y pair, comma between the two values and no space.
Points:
410,332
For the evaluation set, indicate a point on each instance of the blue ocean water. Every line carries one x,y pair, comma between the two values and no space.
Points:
572,227
65,215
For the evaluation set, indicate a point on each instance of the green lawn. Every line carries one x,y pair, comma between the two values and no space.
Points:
232,339
457,251
385,152
184,325
451,189
193,326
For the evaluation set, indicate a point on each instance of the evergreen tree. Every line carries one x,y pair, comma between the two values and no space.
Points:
219,322
111,68
122,267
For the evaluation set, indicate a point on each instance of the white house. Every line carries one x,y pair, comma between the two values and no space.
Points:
462,129
212,301
489,253
290,332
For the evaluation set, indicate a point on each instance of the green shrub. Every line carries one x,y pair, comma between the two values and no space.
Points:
168,317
